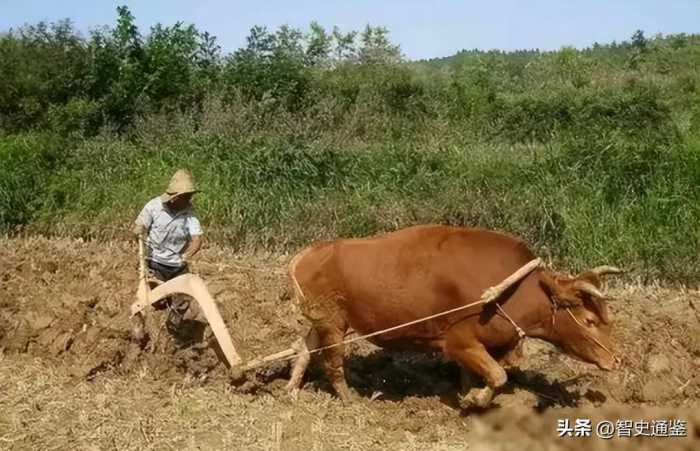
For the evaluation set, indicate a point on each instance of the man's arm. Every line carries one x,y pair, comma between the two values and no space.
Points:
143,221
195,244
193,247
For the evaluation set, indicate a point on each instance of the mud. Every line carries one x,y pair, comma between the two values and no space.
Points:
64,310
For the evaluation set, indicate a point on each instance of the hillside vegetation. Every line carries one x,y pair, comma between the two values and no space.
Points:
592,156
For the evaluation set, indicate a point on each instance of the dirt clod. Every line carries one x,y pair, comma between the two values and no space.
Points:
658,363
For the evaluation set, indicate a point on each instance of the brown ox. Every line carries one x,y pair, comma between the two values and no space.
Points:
370,284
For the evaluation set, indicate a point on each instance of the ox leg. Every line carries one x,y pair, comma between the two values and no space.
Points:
514,357
333,360
475,358
469,383
138,329
302,346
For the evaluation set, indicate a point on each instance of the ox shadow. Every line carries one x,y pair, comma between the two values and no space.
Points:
549,393
394,376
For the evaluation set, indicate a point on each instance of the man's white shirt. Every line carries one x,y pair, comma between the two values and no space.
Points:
168,232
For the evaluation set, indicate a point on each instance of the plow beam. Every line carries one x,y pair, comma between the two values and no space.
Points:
192,286
287,353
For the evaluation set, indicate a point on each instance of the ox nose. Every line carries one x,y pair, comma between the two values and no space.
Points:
611,365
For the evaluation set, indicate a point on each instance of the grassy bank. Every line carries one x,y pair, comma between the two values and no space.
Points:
277,194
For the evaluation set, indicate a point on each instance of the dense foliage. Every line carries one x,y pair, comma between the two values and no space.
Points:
592,155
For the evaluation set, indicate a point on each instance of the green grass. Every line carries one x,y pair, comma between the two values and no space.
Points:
275,193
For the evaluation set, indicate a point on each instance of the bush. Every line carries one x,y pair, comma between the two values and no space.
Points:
79,116
26,165
590,117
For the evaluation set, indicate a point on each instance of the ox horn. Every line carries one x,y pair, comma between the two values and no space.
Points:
589,288
603,270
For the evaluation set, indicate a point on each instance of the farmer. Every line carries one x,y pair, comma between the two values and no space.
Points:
173,235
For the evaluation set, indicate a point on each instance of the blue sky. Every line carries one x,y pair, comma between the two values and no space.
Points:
424,29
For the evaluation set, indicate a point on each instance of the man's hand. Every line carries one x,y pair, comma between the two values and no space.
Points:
194,247
138,230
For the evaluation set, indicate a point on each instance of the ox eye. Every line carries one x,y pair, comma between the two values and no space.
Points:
590,322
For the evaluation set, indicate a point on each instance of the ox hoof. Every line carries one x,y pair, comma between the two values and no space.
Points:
294,393
292,389
292,385
139,337
138,329
476,398
345,398
237,375
138,334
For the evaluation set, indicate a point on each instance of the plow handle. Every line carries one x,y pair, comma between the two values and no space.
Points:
144,289
142,259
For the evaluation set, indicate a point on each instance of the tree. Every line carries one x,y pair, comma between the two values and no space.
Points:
678,41
287,44
639,41
169,63
126,34
376,47
344,45
118,68
271,65
41,65
208,61
259,43
318,46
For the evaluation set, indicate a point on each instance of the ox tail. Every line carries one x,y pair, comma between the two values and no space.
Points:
293,266
291,273
308,339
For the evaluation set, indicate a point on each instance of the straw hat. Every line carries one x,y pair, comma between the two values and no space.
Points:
181,183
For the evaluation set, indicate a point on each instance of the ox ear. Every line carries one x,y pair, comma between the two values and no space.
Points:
561,290
599,307
593,299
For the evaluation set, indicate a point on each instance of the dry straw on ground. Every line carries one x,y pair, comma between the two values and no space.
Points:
70,378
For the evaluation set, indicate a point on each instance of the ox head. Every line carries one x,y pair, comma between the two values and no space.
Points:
581,326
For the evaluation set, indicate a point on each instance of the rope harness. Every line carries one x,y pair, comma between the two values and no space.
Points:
518,329
555,307
590,337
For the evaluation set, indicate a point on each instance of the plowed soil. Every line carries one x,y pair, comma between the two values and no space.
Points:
71,377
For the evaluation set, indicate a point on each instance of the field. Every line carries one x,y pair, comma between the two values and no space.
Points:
71,378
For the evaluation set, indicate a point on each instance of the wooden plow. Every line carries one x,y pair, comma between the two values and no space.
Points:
190,285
